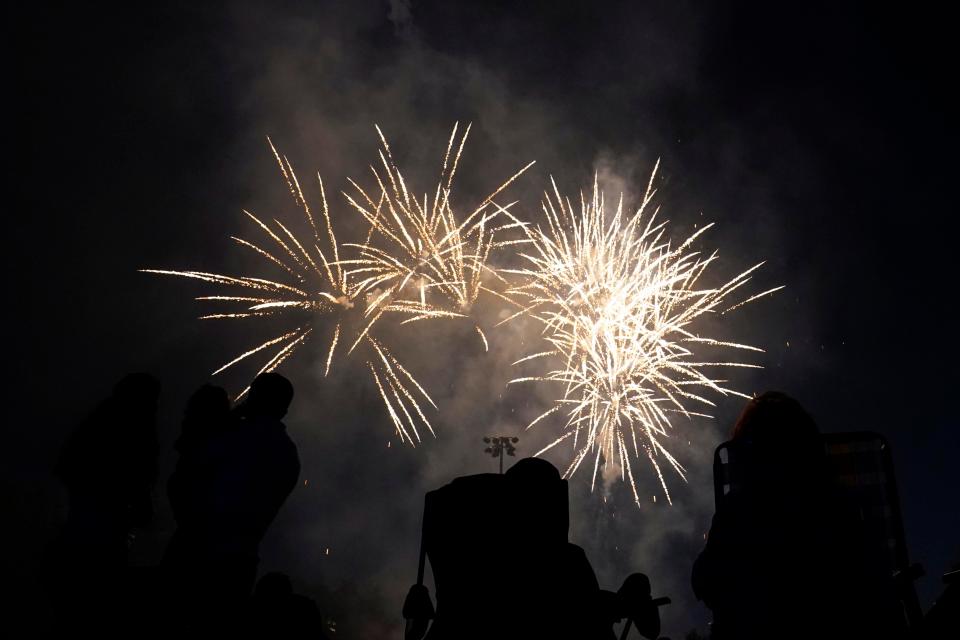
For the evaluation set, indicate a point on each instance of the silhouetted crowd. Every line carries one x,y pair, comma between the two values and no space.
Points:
236,467
786,556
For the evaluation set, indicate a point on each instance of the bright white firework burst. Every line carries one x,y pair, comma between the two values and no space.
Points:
418,261
618,304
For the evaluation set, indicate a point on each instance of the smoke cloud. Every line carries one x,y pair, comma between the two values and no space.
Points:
349,535
143,136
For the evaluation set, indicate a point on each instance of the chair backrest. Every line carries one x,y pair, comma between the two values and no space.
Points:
476,547
462,537
861,469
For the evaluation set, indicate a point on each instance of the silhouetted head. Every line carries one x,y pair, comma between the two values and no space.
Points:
775,417
780,438
206,413
270,395
533,472
207,403
539,496
274,586
137,391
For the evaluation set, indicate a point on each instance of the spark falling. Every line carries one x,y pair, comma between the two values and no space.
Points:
618,304
418,261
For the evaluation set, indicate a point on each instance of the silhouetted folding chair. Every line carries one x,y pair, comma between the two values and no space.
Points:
465,543
473,541
862,470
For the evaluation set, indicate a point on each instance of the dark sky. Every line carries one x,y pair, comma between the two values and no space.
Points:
817,136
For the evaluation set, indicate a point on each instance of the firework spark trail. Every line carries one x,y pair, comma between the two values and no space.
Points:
616,301
417,250
407,243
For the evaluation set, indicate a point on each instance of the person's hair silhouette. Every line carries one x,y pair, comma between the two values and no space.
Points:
775,417
780,448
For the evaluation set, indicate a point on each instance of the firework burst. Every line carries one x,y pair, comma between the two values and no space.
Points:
315,286
418,255
617,303
408,248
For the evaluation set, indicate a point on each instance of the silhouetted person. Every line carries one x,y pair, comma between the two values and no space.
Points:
784,558
275,611
260,468
206,416
108,468
552,577
502,564
244,474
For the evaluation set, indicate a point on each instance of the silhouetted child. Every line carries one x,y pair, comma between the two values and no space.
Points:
108,467
275,611
784,558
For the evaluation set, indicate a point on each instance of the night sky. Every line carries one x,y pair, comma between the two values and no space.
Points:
819,137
